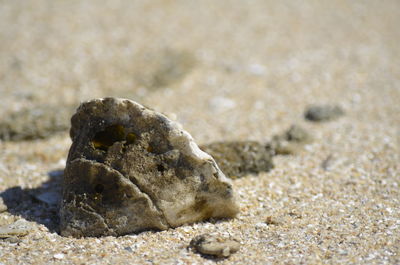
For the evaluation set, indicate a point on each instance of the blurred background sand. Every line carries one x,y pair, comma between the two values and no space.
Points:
226,70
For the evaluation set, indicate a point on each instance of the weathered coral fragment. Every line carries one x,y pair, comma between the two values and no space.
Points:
239,158
131,169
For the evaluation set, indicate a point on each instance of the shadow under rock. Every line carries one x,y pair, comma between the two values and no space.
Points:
39,204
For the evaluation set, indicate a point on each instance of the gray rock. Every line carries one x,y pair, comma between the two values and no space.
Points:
219,247
282,147
239,158
131,169
320,113
290,142
297,133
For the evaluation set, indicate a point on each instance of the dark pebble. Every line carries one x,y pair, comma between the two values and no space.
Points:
320,113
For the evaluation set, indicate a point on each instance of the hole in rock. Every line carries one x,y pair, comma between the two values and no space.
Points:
160,168
150,149
130,138
104,139
99,188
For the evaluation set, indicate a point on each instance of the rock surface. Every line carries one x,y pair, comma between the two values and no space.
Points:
239,158
131,169
323,112
207,244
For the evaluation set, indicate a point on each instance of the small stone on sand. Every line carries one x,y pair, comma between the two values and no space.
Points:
16,229
219,247
290,142
297,133
320,113
58,256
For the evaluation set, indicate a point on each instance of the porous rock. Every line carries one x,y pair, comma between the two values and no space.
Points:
131,169
219,247
239,158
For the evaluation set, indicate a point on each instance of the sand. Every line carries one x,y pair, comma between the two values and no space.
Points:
241,70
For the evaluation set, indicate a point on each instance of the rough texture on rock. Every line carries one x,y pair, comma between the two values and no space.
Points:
239,158
215,246
131,169
323,112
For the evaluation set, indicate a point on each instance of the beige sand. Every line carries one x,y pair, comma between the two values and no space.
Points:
245,70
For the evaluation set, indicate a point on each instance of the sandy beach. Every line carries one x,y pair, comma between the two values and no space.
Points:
227,71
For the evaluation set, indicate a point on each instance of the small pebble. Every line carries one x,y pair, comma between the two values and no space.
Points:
319,113
290,142
59,256
129,249
271,220
297,133
13,240
19,228
219,247
261,225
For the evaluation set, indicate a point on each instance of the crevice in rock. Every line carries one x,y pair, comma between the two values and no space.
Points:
153,200
90,210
